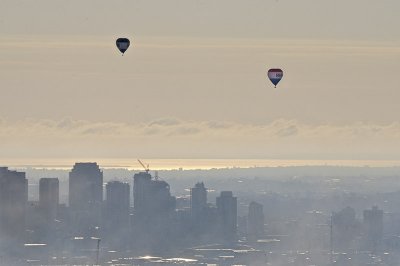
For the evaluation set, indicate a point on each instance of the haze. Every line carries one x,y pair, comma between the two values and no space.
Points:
193,84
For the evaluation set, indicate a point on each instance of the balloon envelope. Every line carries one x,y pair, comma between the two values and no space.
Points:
275,75
123,44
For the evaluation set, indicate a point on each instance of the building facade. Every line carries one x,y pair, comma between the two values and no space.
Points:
117,204
227,215
373,227
255,221
13,203
85,196
49,191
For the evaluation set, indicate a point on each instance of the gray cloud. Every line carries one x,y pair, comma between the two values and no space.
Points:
288,131
185,130
219,125
168,121
171,137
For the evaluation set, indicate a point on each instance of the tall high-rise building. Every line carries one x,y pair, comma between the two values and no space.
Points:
373,227
141,192
85,196
150,196
13,203
255,221
85,185
198,200
117,204
116,215
227,215
49,198
345,228
154,210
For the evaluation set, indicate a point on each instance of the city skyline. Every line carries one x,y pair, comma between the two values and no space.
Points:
152,224
301,215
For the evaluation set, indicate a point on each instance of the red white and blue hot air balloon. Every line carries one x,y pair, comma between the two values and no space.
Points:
275,75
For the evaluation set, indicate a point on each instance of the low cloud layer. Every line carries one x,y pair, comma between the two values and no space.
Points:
174,138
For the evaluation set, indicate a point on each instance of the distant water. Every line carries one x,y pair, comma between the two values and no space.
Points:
189,164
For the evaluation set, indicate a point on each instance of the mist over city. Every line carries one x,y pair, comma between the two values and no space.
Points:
199,132
287,215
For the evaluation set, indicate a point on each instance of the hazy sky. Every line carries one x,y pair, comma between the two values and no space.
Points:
193,84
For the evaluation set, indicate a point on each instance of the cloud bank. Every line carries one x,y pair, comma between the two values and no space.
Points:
175,138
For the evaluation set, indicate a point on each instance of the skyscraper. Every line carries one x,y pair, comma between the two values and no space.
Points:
49,198
154,208
117,204
141,192
116,214
198,200
85,195
345,228
227,215
373,227
151,197
255,221
13,202
199,209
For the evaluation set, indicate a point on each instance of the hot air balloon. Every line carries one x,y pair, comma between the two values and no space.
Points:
123,44
275,75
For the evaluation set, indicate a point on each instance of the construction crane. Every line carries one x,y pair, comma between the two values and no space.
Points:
146,168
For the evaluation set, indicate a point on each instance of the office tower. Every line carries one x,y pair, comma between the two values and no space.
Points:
141,191
85,185
49,198
117,204
116,219
13,203
85,196
151,197
198,200
198,209
255,221
373,227
154,210
345,229
227,215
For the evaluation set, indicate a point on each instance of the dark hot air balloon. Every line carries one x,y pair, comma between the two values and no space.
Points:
123,44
